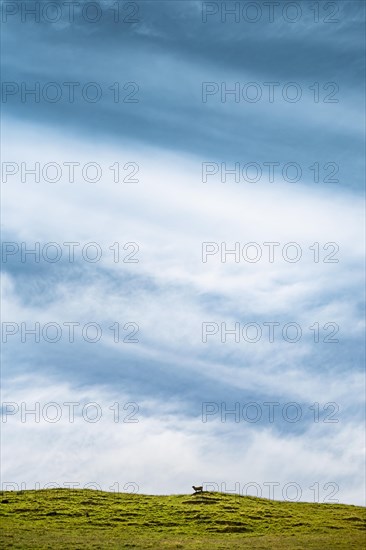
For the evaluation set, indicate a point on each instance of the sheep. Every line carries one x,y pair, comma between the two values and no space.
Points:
197,489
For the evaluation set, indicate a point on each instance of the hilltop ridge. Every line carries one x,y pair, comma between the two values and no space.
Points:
76,518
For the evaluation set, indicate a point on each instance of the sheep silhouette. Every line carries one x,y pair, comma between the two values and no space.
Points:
197,489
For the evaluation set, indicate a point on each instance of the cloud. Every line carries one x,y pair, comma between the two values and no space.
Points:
185,53
181,451
171,292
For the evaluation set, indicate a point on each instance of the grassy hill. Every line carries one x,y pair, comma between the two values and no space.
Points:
83,519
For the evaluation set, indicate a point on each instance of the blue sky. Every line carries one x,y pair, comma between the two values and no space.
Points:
168,133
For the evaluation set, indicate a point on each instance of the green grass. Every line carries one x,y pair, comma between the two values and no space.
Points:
83,519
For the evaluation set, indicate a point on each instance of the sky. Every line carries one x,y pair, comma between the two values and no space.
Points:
190,180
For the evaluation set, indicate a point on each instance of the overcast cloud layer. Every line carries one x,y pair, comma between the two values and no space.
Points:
297,392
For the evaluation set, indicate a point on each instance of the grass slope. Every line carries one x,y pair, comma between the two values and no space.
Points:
83,519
